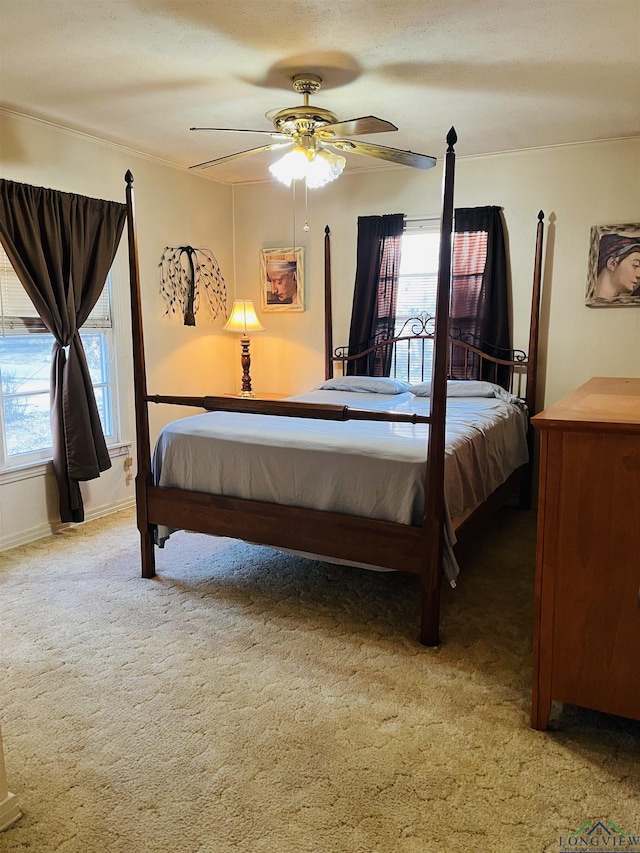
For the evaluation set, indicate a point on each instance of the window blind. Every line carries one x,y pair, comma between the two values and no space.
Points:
416,296
18,313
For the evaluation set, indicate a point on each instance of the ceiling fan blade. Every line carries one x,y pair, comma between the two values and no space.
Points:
382,152
357,127
274,133
240,154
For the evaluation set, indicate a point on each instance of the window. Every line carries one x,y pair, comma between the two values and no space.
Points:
25,369
416,295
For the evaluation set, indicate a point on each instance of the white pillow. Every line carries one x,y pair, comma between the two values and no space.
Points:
462,388
365,384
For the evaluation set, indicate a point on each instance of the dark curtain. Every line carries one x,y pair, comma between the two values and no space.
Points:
479,299
374,298
62,247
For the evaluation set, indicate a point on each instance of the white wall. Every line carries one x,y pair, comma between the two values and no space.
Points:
576,186
173,208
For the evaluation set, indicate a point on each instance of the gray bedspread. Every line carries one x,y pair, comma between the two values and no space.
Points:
370,469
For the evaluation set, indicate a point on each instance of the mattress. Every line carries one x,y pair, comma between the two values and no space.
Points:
371,469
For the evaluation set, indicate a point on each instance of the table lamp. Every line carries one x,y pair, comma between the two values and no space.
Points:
243,319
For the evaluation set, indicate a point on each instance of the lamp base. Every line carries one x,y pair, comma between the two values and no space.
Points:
249,394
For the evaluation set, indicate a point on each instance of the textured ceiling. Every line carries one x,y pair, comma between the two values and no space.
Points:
509,74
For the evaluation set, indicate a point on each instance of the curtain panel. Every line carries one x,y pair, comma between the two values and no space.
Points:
479,295
62,247
374,297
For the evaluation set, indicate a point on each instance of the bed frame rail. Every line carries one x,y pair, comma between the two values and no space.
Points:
289,408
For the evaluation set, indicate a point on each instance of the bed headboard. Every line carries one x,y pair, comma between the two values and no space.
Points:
410,352
409,355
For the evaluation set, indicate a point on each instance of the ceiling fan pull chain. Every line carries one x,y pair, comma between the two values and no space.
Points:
293,184
305,227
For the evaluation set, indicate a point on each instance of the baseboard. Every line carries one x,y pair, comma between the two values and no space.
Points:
9,811
44,530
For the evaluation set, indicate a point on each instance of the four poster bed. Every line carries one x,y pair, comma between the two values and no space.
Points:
355,471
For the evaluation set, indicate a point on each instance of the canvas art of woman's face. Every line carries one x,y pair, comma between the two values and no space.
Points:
625,273
281,276
619,268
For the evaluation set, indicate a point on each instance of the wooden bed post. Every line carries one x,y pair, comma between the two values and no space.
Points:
143,449
433,524
532,362
328,317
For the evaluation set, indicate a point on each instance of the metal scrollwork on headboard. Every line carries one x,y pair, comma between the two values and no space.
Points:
469,356
420,326
503,353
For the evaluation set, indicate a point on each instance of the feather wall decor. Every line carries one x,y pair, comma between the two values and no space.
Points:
184,273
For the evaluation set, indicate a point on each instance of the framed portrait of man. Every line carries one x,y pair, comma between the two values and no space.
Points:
613,278
282,279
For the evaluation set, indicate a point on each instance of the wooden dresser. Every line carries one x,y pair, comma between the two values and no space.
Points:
587,601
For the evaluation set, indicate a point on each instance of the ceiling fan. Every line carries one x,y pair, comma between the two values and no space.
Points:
313,135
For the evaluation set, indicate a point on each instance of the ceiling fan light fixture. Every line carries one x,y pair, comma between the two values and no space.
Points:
324,168
291,167
316,166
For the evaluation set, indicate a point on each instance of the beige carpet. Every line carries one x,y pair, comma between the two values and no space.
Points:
252,701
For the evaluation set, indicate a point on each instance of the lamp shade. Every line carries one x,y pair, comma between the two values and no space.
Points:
317,166
291,167
324,168
243,318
